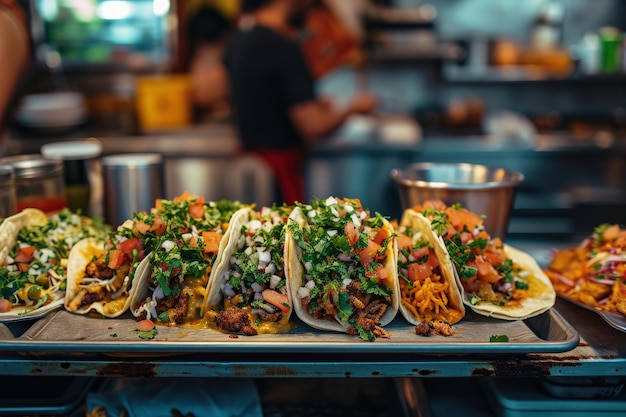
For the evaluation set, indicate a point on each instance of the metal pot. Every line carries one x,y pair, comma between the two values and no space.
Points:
481,189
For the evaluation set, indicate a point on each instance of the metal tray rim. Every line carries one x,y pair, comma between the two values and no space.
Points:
326,342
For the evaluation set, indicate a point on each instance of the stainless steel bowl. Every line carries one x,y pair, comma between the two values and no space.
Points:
483,190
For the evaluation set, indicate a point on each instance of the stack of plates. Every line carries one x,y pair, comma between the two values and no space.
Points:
52,110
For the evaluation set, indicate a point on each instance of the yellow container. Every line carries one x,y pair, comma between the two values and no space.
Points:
163,102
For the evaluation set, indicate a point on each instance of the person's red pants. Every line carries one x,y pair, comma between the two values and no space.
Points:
289,172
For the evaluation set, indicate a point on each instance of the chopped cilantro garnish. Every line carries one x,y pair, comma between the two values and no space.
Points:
366,335
499,338
147,335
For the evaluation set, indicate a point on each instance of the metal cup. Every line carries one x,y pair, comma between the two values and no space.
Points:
483,190
132,183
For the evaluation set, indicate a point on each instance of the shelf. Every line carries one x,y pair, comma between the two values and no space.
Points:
496,75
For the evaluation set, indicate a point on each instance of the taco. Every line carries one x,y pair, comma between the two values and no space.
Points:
497,280
34,258
248,289
342,267
594,271
182,256
103,274
429,288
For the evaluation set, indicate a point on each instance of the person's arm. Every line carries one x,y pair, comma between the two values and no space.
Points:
317,119
14,55
209,78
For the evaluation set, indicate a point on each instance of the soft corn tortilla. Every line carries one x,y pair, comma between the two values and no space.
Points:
221,264
215,298
295,274
80,256
12,225
9,231
417,222
541,297
145,288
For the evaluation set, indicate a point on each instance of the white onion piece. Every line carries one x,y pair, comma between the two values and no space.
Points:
168,245
303,292
264,257
274,281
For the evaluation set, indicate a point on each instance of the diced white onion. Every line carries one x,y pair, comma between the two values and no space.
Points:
344,257
355,219
310,284
256,287
264,257
331,232
228,290
348,207
274,281
270,268
331,201
254,225
303,292
346,282
168,245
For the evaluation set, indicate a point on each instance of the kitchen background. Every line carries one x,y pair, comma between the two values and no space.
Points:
522,85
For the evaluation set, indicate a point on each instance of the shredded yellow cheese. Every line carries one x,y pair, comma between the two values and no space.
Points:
427,299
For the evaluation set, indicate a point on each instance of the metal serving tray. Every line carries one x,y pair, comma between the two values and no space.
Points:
68,333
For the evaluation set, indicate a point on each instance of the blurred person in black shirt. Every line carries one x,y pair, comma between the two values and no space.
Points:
272,91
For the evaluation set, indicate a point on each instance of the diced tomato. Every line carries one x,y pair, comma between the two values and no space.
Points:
463,218
419,253
145,325
370,253
466,237
140,227
211,241
419,272
382,234
381,274
404,241
482,235
158,226
193,242
23,267
352,233
432,259
486,271
5,305
158,204
494,258
25,254
277,299
127,246
196,210
185,196
116,258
